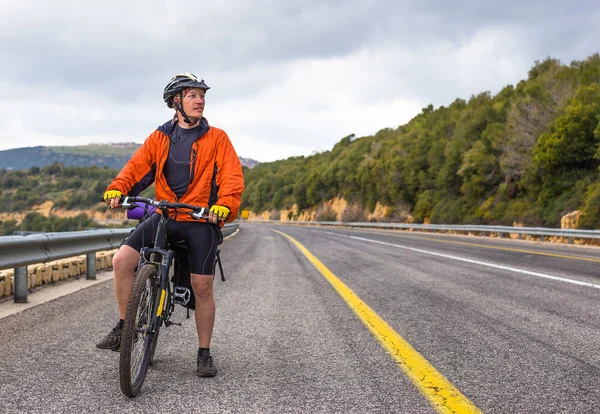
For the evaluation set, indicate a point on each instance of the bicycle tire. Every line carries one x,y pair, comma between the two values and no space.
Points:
132,378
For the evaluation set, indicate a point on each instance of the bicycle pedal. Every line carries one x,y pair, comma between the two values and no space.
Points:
169,323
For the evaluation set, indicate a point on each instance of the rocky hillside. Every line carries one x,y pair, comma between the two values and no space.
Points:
113,156
529,154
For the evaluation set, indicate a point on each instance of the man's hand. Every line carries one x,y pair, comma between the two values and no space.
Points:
113,197
218,213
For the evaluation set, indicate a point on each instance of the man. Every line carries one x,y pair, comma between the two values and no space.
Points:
193,163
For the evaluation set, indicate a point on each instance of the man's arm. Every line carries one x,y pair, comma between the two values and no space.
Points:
137,167
230,177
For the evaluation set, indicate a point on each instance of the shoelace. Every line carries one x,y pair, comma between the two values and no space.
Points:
207,362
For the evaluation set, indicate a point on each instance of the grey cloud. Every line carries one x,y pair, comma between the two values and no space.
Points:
126,53
117,56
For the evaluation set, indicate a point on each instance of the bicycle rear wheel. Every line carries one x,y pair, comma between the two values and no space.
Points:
138,340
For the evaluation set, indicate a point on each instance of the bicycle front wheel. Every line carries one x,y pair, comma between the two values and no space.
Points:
137,338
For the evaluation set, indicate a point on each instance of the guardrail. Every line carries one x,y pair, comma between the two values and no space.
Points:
19,251
569,234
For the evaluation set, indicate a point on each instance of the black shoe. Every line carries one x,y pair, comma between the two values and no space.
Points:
112,341
205,365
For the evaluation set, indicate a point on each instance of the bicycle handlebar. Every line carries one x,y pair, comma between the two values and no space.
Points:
197,212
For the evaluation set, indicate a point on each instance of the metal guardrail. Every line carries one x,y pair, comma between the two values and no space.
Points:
570,234
19,251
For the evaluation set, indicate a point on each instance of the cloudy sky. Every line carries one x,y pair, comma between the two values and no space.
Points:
288,77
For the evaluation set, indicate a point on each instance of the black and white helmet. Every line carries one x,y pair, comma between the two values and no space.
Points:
178,83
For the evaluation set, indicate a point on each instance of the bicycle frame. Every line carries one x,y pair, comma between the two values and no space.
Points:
162,257
160,254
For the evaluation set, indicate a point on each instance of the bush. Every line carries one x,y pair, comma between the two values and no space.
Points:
326,215
354,213
8,227
400,213
590,218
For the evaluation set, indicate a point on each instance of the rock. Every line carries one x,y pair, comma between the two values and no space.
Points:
570,220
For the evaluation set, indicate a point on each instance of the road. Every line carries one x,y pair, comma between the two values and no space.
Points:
503,326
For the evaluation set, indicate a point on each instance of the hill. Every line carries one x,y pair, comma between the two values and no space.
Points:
113,156
529,155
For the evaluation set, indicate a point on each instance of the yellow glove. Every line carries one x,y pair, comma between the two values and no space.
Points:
112,194
220,211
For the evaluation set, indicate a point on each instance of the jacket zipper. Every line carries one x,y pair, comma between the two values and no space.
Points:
193,166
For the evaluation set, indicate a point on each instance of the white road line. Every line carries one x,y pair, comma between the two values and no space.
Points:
447,256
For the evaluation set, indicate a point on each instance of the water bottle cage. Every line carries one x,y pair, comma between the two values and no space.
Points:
182,295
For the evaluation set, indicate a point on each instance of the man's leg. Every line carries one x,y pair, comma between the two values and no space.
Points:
205,321
124,264
202,240
205,308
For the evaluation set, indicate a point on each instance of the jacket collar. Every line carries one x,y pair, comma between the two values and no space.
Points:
168,127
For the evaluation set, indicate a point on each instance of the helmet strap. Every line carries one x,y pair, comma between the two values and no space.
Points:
179,107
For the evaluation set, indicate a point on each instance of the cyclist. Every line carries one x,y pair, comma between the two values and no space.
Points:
194,163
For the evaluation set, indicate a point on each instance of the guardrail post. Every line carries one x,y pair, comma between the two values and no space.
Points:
570,240
520,236
21,284
542,238
90,266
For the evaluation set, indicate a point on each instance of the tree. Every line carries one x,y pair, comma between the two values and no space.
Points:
572,142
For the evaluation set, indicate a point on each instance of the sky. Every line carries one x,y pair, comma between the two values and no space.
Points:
287,77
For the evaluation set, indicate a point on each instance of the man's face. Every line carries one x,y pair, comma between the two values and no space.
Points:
193,102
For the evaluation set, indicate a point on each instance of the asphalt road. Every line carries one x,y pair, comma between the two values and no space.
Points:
513,325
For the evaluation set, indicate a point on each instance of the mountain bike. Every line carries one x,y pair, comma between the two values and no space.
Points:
153,296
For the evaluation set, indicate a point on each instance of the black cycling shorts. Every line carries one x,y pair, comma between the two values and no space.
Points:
202,240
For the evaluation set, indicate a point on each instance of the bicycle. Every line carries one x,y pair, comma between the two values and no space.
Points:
153,296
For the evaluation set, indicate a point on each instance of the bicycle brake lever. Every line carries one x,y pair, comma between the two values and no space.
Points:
198,214
126,204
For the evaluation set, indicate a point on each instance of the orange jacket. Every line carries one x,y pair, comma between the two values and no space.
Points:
216,174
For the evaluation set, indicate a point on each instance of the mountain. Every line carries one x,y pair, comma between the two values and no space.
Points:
113,156
248,162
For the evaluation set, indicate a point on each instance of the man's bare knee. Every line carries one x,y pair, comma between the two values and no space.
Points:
202,285
125,260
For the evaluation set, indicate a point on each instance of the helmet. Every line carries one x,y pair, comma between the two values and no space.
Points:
178,83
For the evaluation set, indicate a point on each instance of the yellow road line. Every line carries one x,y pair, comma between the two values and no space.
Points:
440,392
